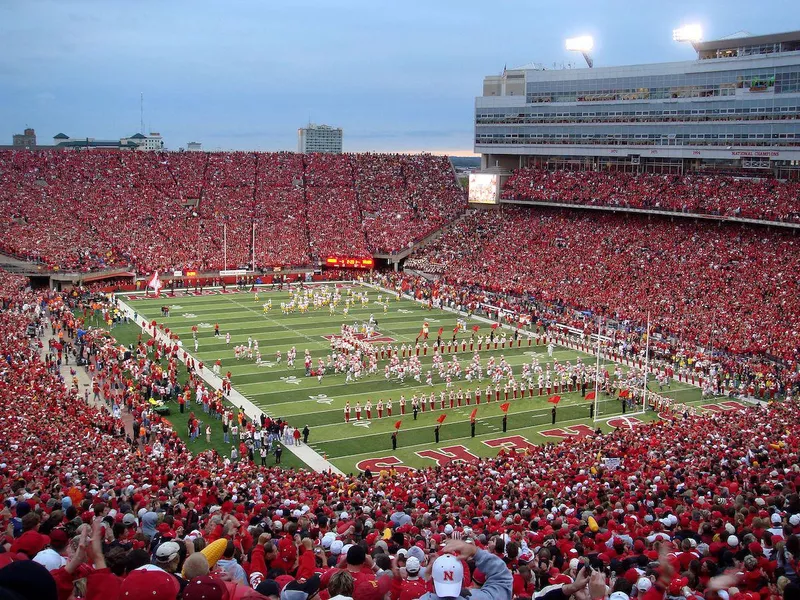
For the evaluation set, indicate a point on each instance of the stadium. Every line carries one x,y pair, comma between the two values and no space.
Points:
300,375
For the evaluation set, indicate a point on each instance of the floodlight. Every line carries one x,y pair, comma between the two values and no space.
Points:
688,33
583,43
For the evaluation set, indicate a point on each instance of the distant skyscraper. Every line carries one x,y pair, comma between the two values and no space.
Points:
319,138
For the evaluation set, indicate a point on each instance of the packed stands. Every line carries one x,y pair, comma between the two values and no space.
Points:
696,506
761,199
737,279
168,211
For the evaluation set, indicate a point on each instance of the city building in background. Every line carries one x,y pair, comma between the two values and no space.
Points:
736,107
137,141
319,138
194,147
24,140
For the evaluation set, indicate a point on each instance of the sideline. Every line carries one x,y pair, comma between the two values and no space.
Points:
304,452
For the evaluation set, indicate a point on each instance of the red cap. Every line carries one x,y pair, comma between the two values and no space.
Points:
149,584
30,543
372,590
205,588
58,536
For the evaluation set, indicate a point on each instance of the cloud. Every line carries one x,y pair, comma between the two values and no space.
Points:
44,98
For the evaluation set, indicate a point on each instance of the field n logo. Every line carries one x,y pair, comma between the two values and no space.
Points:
511,442
189,316
292,380
724,406
384,462
205,325
629,422
578,431
364,424
448,455
375,339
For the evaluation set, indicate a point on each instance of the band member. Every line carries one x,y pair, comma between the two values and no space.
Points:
347,412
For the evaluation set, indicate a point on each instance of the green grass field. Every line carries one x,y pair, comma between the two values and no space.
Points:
285,392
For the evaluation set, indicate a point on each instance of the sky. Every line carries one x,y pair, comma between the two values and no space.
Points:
245,74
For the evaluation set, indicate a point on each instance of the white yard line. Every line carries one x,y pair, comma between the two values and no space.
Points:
304,452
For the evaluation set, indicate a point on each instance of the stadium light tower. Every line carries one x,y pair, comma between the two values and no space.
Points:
584,45
688,33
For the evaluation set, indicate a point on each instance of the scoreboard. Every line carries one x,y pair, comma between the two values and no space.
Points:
342,262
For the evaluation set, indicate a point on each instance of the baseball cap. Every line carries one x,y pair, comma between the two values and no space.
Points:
336,547
205,588
643,584
149,584
50,559
128,519
368,589
448,573
415,552
167,551
619,596
301,591
775,518
412,565
58,536
794,520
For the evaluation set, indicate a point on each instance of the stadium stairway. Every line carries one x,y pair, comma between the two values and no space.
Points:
84,381
398,256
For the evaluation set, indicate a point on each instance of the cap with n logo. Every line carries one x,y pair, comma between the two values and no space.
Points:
448,573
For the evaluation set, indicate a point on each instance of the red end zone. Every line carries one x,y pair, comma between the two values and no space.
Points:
375,339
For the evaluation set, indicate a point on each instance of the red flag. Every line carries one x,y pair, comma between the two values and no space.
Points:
398,424
475,328
441,418
590,396
495,325
441,330
505,406
473,414
552,400
624,393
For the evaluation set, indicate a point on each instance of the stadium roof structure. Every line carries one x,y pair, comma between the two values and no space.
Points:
60,136
739,43
137,136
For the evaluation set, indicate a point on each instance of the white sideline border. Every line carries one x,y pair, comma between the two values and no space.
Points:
304,452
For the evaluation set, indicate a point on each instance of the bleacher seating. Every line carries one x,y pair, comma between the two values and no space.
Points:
166,211
763,199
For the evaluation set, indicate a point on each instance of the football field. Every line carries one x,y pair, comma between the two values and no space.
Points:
285,392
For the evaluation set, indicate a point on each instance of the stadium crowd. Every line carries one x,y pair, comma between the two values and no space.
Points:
691,278
700,285
170,211
762,199
694,507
